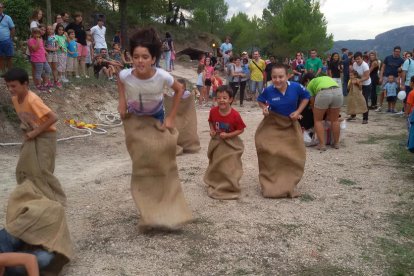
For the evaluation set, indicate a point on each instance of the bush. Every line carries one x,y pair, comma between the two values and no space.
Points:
20,12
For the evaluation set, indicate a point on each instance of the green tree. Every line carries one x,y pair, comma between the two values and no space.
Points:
244,32
274,7
300,26
20,12
209,16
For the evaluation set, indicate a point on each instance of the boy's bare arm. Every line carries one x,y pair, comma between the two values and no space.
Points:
51,119
232,134
212,129
29,261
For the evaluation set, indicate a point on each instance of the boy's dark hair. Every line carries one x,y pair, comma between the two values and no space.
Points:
397,48
100,19
70,31
412,79
16,74
183,82
307,78
225,88
147,38
77,14
280,66
358,54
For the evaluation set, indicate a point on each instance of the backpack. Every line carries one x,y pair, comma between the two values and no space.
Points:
165,47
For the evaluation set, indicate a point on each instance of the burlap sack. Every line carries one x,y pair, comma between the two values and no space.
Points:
281,153
155,185
186,124
37,163
225,168
355,101
35,212
37,220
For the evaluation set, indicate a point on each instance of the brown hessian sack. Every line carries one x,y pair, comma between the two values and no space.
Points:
225,168
356,102
155,185
281,154
186,124
35,210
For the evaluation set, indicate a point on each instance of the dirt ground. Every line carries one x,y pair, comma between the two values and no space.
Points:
347,195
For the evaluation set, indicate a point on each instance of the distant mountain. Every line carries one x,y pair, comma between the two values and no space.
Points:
383,43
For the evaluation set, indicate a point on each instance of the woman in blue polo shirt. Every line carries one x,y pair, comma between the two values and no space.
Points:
279,139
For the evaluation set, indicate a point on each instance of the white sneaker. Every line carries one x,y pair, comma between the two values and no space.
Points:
378,109
399,113
86,77
77,76
65,80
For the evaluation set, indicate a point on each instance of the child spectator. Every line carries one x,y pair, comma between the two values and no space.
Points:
225,149
61,39
200,83
39,62
116,53
390,88
126,59
207,75
72,59
103,66
51,48
409,107
89,54
115,64
117,38
149,134
216,81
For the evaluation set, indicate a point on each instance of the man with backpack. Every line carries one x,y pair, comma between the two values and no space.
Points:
256,67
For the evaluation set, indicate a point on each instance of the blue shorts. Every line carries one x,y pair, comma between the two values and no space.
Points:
6,48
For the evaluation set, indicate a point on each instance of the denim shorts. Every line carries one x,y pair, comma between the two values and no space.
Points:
6,48
329,98
256,86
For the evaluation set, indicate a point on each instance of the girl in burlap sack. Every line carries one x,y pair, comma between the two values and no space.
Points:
225,149
279,140
356,101
150,136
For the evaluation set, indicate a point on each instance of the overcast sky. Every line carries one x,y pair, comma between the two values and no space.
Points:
350,19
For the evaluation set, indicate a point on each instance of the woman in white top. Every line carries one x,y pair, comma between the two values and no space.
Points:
238,79
36,19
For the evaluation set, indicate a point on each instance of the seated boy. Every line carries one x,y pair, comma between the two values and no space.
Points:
101,65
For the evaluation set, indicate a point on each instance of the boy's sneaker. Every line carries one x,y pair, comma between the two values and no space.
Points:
58,84
49,85
77,76
64,80
378,109
388,110
110,78
86,77
400,113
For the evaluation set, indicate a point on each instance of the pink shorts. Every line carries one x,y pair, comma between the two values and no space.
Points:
82,50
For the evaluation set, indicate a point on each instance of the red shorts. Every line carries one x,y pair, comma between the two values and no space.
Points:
82,50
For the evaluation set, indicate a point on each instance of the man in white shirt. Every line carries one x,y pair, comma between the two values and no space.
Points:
362,68
98,34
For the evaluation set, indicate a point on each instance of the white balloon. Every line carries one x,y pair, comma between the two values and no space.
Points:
401,95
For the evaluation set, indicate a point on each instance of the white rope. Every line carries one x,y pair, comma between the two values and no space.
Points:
109,120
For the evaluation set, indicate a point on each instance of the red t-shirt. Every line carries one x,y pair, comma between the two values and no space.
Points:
228,123
410,100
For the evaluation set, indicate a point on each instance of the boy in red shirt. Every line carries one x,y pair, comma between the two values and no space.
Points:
225,149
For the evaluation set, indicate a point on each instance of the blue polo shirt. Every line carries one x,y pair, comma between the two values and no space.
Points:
287,103
5,26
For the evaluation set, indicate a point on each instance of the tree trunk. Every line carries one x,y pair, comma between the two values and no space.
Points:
48,12
124,28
